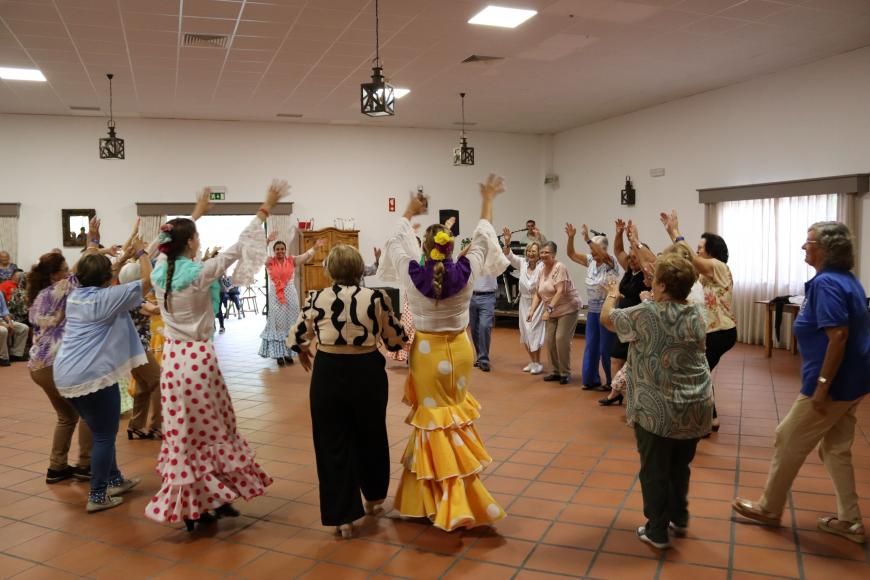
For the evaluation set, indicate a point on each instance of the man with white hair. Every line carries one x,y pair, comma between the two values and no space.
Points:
19,334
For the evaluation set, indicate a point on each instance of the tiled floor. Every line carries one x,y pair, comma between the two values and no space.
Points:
565,469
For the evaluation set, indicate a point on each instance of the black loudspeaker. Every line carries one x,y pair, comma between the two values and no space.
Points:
445,214
393,295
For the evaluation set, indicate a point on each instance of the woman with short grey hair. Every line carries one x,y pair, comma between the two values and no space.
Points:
833,334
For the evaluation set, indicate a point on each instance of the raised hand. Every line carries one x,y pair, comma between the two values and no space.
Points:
94,229
273,235
137,245
620,227
570,230
584,231
377,252
450,222
493,186
631,232
278,189
417,205
506,235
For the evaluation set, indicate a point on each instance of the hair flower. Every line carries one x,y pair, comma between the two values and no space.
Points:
437,255
443,238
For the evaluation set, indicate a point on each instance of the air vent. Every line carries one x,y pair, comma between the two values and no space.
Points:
481,58
290,115
82,108
205,40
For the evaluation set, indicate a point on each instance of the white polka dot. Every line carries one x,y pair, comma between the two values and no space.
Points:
424,347
429,403
493,510
460,382
457,440
444,367
444,495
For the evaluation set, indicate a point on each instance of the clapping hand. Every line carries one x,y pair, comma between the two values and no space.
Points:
377,252
584,231
620,227
670,221
570,230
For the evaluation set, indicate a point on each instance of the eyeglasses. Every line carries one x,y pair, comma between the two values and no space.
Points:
811,242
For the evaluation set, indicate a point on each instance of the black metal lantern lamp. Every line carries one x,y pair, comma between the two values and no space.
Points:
377,97
463,155
111,147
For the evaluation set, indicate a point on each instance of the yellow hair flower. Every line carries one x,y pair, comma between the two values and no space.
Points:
443,237
437,255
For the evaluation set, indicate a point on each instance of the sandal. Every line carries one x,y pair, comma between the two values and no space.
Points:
138,434
854,532
753,511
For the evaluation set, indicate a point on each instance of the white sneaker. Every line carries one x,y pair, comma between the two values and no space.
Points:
537,369
528,367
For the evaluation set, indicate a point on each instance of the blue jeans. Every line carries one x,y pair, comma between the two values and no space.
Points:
482,314
599,341
102,413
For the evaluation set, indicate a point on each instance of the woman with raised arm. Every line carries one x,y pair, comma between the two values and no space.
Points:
283,299
711,262
531,322
630,288
445,455
205,463
100,346
600,266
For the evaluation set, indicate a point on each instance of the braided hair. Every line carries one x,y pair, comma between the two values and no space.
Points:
428,245
176,233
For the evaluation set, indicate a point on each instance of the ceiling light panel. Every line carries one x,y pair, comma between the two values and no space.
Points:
21,74
502,17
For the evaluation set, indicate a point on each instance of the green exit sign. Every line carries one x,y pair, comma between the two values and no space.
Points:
217,196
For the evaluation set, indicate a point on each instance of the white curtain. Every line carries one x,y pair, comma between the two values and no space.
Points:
149,227
9,236
287,231
764,238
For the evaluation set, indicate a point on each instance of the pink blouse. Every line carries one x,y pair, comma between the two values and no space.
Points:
569,301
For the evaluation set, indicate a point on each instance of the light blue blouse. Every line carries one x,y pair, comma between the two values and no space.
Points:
100,344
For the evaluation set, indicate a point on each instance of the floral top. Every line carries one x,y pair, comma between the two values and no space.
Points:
570,300
7,272
48,318
718,297
18,305
669,387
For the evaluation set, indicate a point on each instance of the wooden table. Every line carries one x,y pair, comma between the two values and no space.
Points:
769,312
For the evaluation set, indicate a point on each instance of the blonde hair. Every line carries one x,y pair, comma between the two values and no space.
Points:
529,246
345,265
678,250
428,245
677,274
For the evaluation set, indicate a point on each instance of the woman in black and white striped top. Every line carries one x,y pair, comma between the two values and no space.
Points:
349,388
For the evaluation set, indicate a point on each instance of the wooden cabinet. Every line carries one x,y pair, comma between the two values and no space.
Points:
314,276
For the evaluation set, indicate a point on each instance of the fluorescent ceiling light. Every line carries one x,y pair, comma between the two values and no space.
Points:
21,74
502,17
399,93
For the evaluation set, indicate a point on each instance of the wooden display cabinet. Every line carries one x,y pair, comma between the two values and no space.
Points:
314,276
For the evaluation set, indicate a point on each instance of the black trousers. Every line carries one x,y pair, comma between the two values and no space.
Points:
718,343
664,481
348,413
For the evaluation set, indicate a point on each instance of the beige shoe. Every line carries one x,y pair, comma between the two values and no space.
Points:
345,531
126,485
854,532
753,511
109,504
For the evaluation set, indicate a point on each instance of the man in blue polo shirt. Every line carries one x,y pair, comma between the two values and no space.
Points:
833,334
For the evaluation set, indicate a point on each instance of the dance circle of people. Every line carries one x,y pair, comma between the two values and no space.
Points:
657,324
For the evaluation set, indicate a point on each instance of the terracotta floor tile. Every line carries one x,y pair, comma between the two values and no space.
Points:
499,550
532,457
474,569
623,567
560,560
44,573
551,491
820,568
184,571
17,533
537,508
626,542
12,566
587,515
545,446
132,565
263,534
509,485
46,546
226,556
825,544
521,470
327,571
435,540
575,536
751,534
523,528
535,575
691,551
766,561
599,497
363,554
561,475
309,544
411,563
611,481
677,571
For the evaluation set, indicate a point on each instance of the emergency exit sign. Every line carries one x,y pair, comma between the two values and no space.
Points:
217,196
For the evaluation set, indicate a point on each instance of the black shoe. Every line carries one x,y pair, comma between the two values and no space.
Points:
477,363
288,360
280,361
484,367
4,362
22,358
606,402
58,475
81,473
564,380
591,387
222,330
227,511
552,377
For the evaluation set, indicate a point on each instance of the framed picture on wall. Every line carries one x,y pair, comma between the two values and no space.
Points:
74,227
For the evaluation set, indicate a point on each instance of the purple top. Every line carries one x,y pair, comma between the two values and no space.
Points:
48,317
456,275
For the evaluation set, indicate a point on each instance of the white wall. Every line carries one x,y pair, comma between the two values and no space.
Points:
812,121
51,163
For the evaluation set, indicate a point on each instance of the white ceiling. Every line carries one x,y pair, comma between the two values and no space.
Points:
576,62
